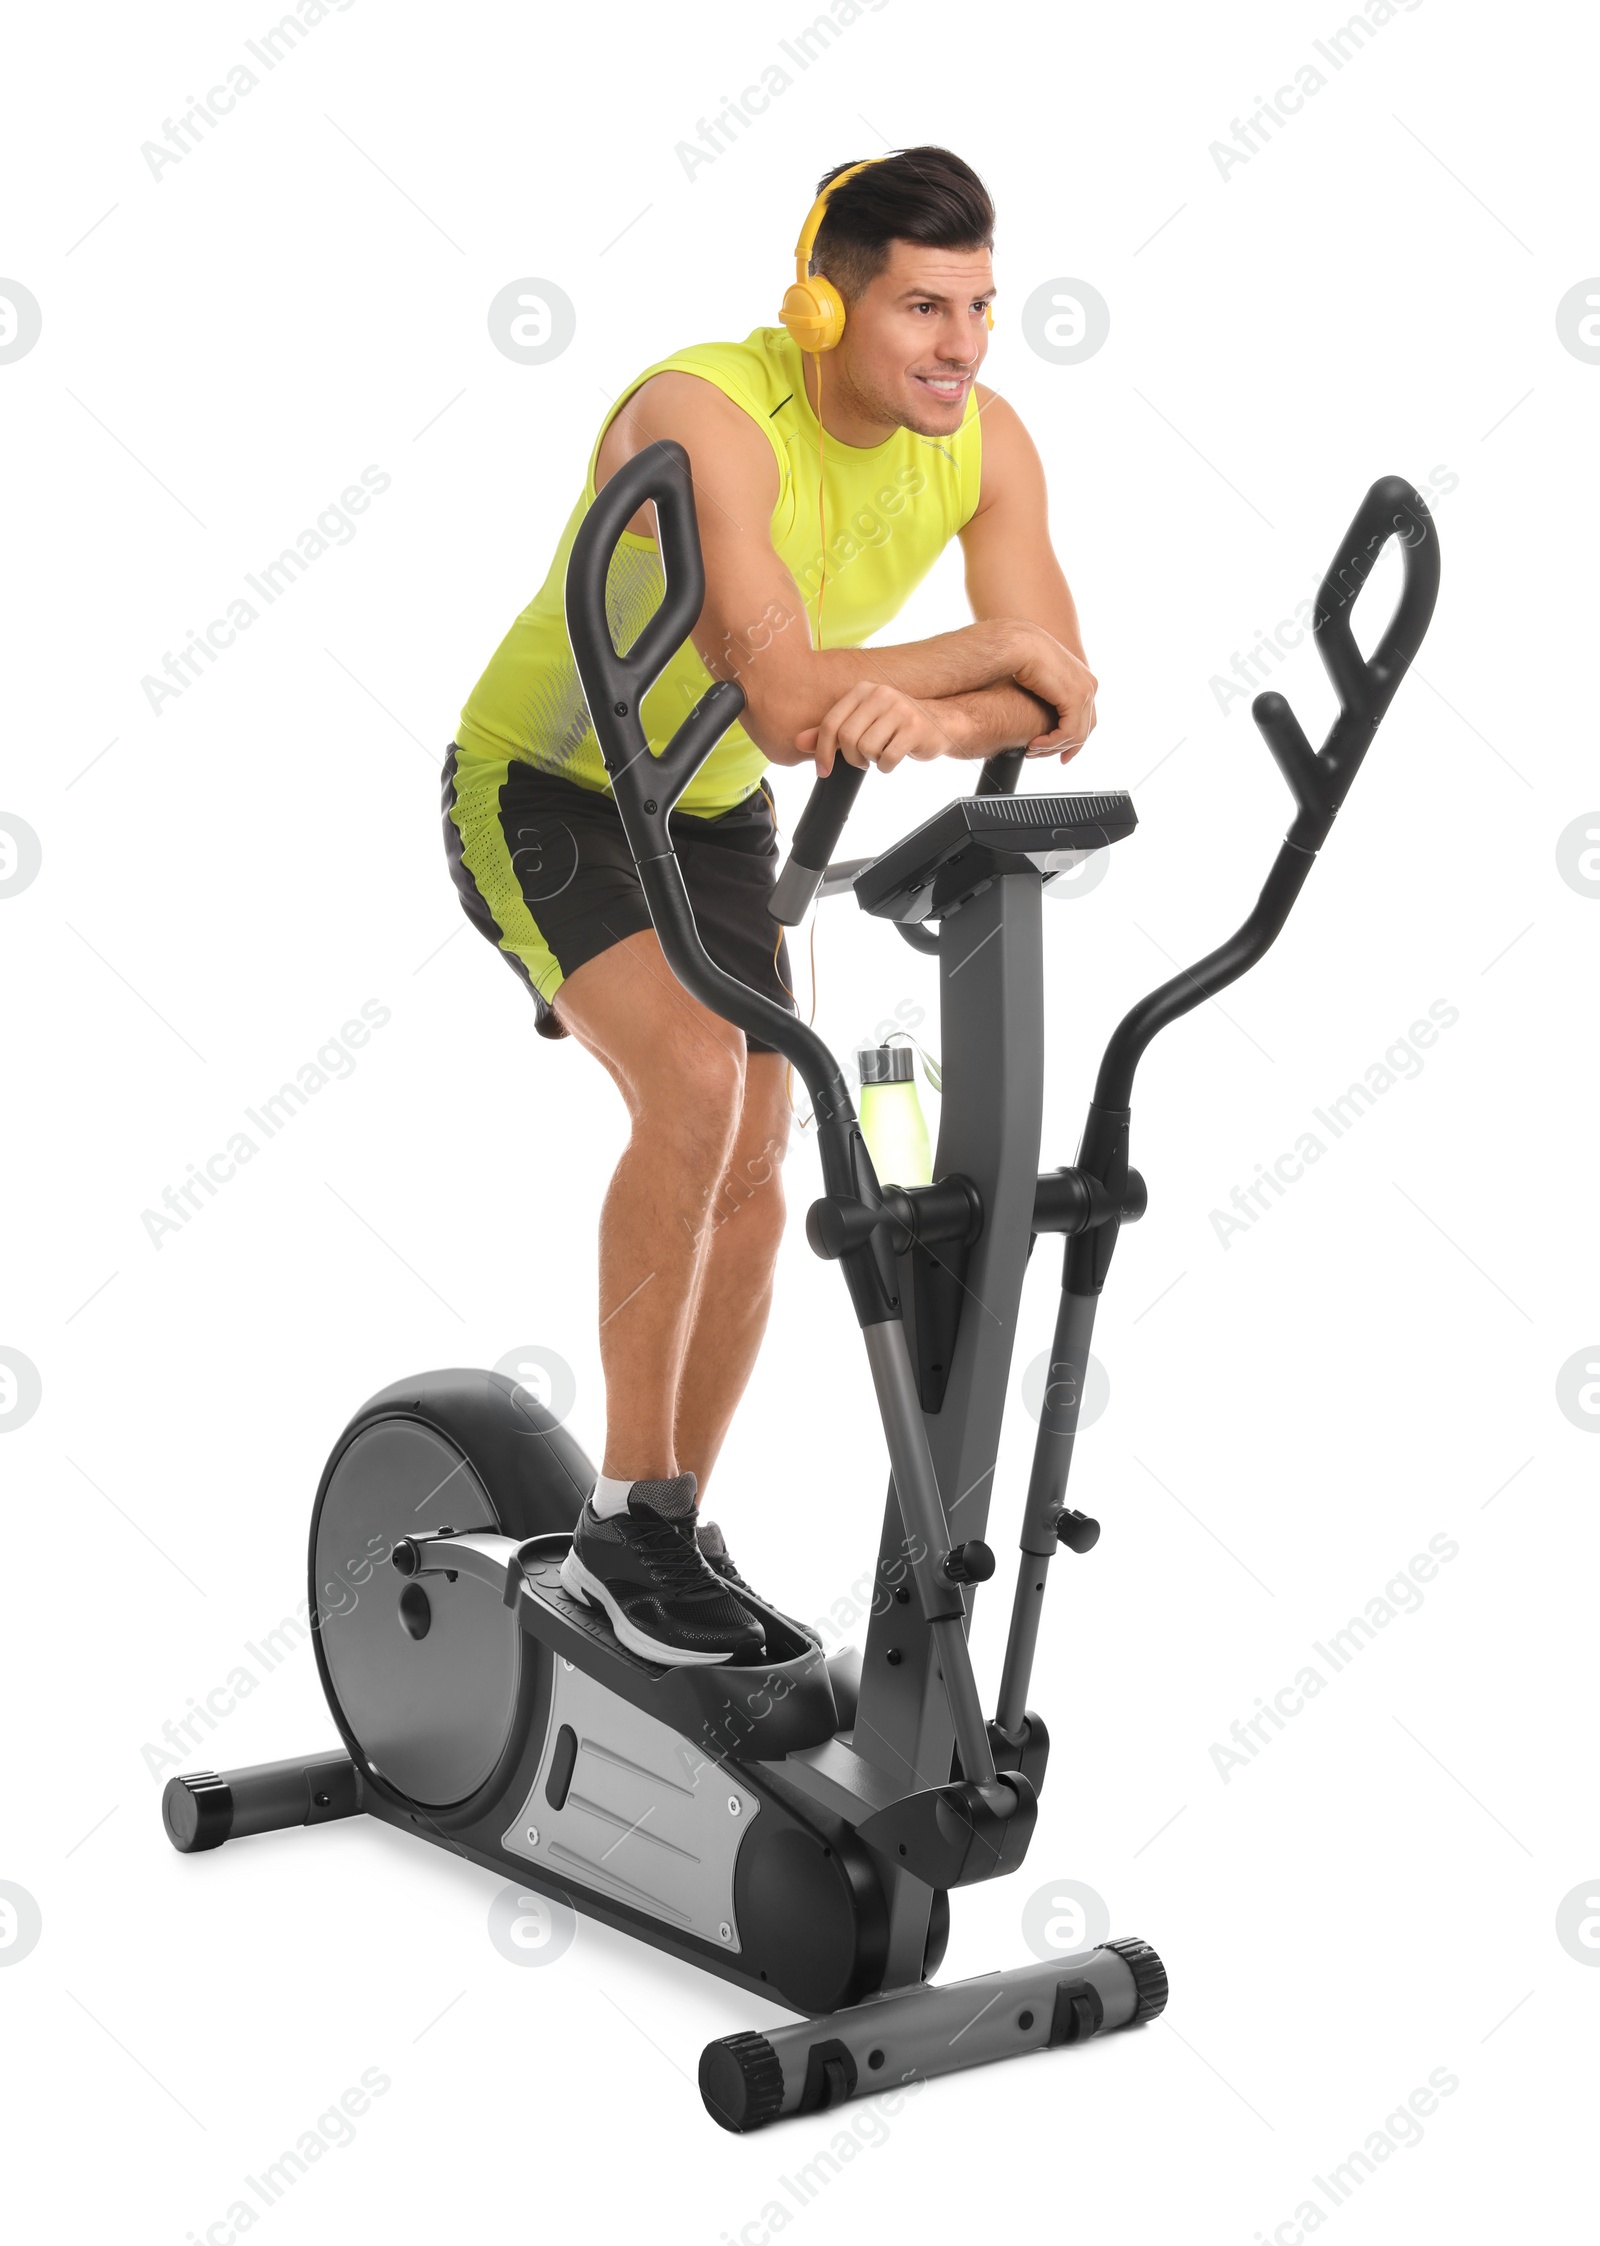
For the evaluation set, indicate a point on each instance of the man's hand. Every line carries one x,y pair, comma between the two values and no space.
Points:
1058,677
879,725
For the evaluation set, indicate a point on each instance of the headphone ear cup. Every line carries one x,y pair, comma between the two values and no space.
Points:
813,313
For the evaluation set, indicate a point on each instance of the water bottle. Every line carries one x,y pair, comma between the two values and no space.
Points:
891,1116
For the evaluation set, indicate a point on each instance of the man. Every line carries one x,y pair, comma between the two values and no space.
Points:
891,438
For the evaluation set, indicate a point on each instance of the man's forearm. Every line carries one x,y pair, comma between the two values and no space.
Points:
955,665
1003,716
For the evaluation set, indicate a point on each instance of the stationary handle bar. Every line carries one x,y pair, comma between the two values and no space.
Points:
816,838
821,823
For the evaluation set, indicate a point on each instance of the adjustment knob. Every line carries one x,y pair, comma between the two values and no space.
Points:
972,1562
1076,1530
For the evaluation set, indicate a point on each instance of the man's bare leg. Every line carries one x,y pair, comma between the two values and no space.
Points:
664,1231
729,1311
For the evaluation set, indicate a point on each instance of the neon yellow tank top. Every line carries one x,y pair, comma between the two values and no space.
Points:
891,510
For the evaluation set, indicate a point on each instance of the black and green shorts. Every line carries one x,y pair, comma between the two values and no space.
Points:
544,870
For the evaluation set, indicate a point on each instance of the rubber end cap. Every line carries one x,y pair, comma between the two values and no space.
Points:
741,2082
1149,1978
197,1811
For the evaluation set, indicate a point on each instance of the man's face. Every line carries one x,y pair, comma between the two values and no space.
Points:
914,341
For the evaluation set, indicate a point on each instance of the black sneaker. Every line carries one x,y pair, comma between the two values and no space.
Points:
645,1572
767,1618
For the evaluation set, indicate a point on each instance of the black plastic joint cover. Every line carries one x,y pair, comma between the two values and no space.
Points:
949,1210
850,1224
1103,1157
1073,1201
956,1834
836,1224
1068,1201
1028,1751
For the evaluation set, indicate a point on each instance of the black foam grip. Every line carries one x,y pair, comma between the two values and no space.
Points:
821,823
1001,772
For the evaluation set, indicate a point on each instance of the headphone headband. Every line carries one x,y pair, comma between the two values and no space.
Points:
814,217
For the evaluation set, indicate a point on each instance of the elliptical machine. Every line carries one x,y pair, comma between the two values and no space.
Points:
796,1827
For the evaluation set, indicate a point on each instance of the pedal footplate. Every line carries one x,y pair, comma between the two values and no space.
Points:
758,1714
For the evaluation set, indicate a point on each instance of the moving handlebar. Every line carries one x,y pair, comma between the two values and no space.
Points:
1319,783
646,784
821,823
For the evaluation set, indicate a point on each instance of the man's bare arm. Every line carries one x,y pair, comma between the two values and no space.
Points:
876,724
753,626
1003,716
1011,565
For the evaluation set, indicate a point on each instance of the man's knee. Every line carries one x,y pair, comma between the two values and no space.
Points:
695,1108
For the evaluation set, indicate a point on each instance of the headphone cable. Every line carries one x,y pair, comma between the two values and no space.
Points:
822,586
822,523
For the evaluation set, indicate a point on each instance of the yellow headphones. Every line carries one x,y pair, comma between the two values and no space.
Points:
812,308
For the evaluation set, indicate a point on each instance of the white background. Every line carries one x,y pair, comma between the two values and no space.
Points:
1291,1418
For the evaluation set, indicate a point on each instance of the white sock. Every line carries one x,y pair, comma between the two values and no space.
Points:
610,1495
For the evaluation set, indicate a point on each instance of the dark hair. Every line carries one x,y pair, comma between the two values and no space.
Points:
924,195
